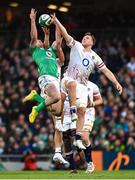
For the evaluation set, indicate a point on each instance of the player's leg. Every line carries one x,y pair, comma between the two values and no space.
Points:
33,95
88,151
69,86
58,141
68,141
51,95
79,127
57,110
50,90
81,103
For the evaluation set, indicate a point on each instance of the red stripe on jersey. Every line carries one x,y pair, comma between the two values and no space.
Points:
100,64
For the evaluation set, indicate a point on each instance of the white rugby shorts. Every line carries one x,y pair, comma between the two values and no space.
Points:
81,92
45,80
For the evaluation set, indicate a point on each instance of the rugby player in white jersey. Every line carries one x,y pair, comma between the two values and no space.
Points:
82,62
69,126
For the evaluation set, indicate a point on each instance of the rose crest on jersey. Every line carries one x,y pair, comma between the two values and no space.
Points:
48,53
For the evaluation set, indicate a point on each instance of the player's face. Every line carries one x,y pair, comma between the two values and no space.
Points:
87,41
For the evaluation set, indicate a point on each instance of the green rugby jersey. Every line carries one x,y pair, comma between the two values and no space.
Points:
46,61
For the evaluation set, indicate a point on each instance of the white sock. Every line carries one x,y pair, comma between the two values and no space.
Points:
58,150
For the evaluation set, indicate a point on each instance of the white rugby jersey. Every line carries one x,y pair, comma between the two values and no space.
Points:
93,91
81,63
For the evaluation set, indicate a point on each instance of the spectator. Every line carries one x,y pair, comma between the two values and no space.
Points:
30,161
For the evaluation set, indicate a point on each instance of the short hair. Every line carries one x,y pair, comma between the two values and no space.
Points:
93,37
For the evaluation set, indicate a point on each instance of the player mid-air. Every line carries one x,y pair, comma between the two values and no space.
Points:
46,61
82,62
48,64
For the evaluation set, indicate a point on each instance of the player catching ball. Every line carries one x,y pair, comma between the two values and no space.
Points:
46,61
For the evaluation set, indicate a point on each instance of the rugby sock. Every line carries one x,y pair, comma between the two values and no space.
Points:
58,150
73,109
70,159
88,155
41,106
58,118
38,98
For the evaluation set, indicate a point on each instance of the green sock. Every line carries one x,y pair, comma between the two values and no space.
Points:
41,106
38,98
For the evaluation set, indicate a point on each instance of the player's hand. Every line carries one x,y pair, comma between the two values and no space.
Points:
119,88
33,14
46,30
53,16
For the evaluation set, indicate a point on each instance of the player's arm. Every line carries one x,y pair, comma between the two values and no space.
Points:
63,30
60,52
112,78
46,31
102,67
97,100
61,57
33,32
57,46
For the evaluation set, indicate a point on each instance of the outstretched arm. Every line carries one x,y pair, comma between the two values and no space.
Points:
46,37
59,48
112,78
63,30
33,32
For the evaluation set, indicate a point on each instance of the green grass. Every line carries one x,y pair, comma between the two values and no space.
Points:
65,175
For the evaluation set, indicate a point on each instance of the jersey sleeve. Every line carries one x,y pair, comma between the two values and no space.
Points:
99,62
74,43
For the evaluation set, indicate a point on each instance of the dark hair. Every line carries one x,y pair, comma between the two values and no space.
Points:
93,37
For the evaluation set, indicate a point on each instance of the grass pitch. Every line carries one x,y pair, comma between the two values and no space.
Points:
66,175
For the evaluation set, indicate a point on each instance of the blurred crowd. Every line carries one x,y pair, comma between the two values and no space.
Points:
114,128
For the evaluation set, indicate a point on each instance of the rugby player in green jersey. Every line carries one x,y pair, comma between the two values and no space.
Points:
46,61
48,80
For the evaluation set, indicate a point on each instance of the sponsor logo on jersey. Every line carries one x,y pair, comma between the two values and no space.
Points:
48,53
